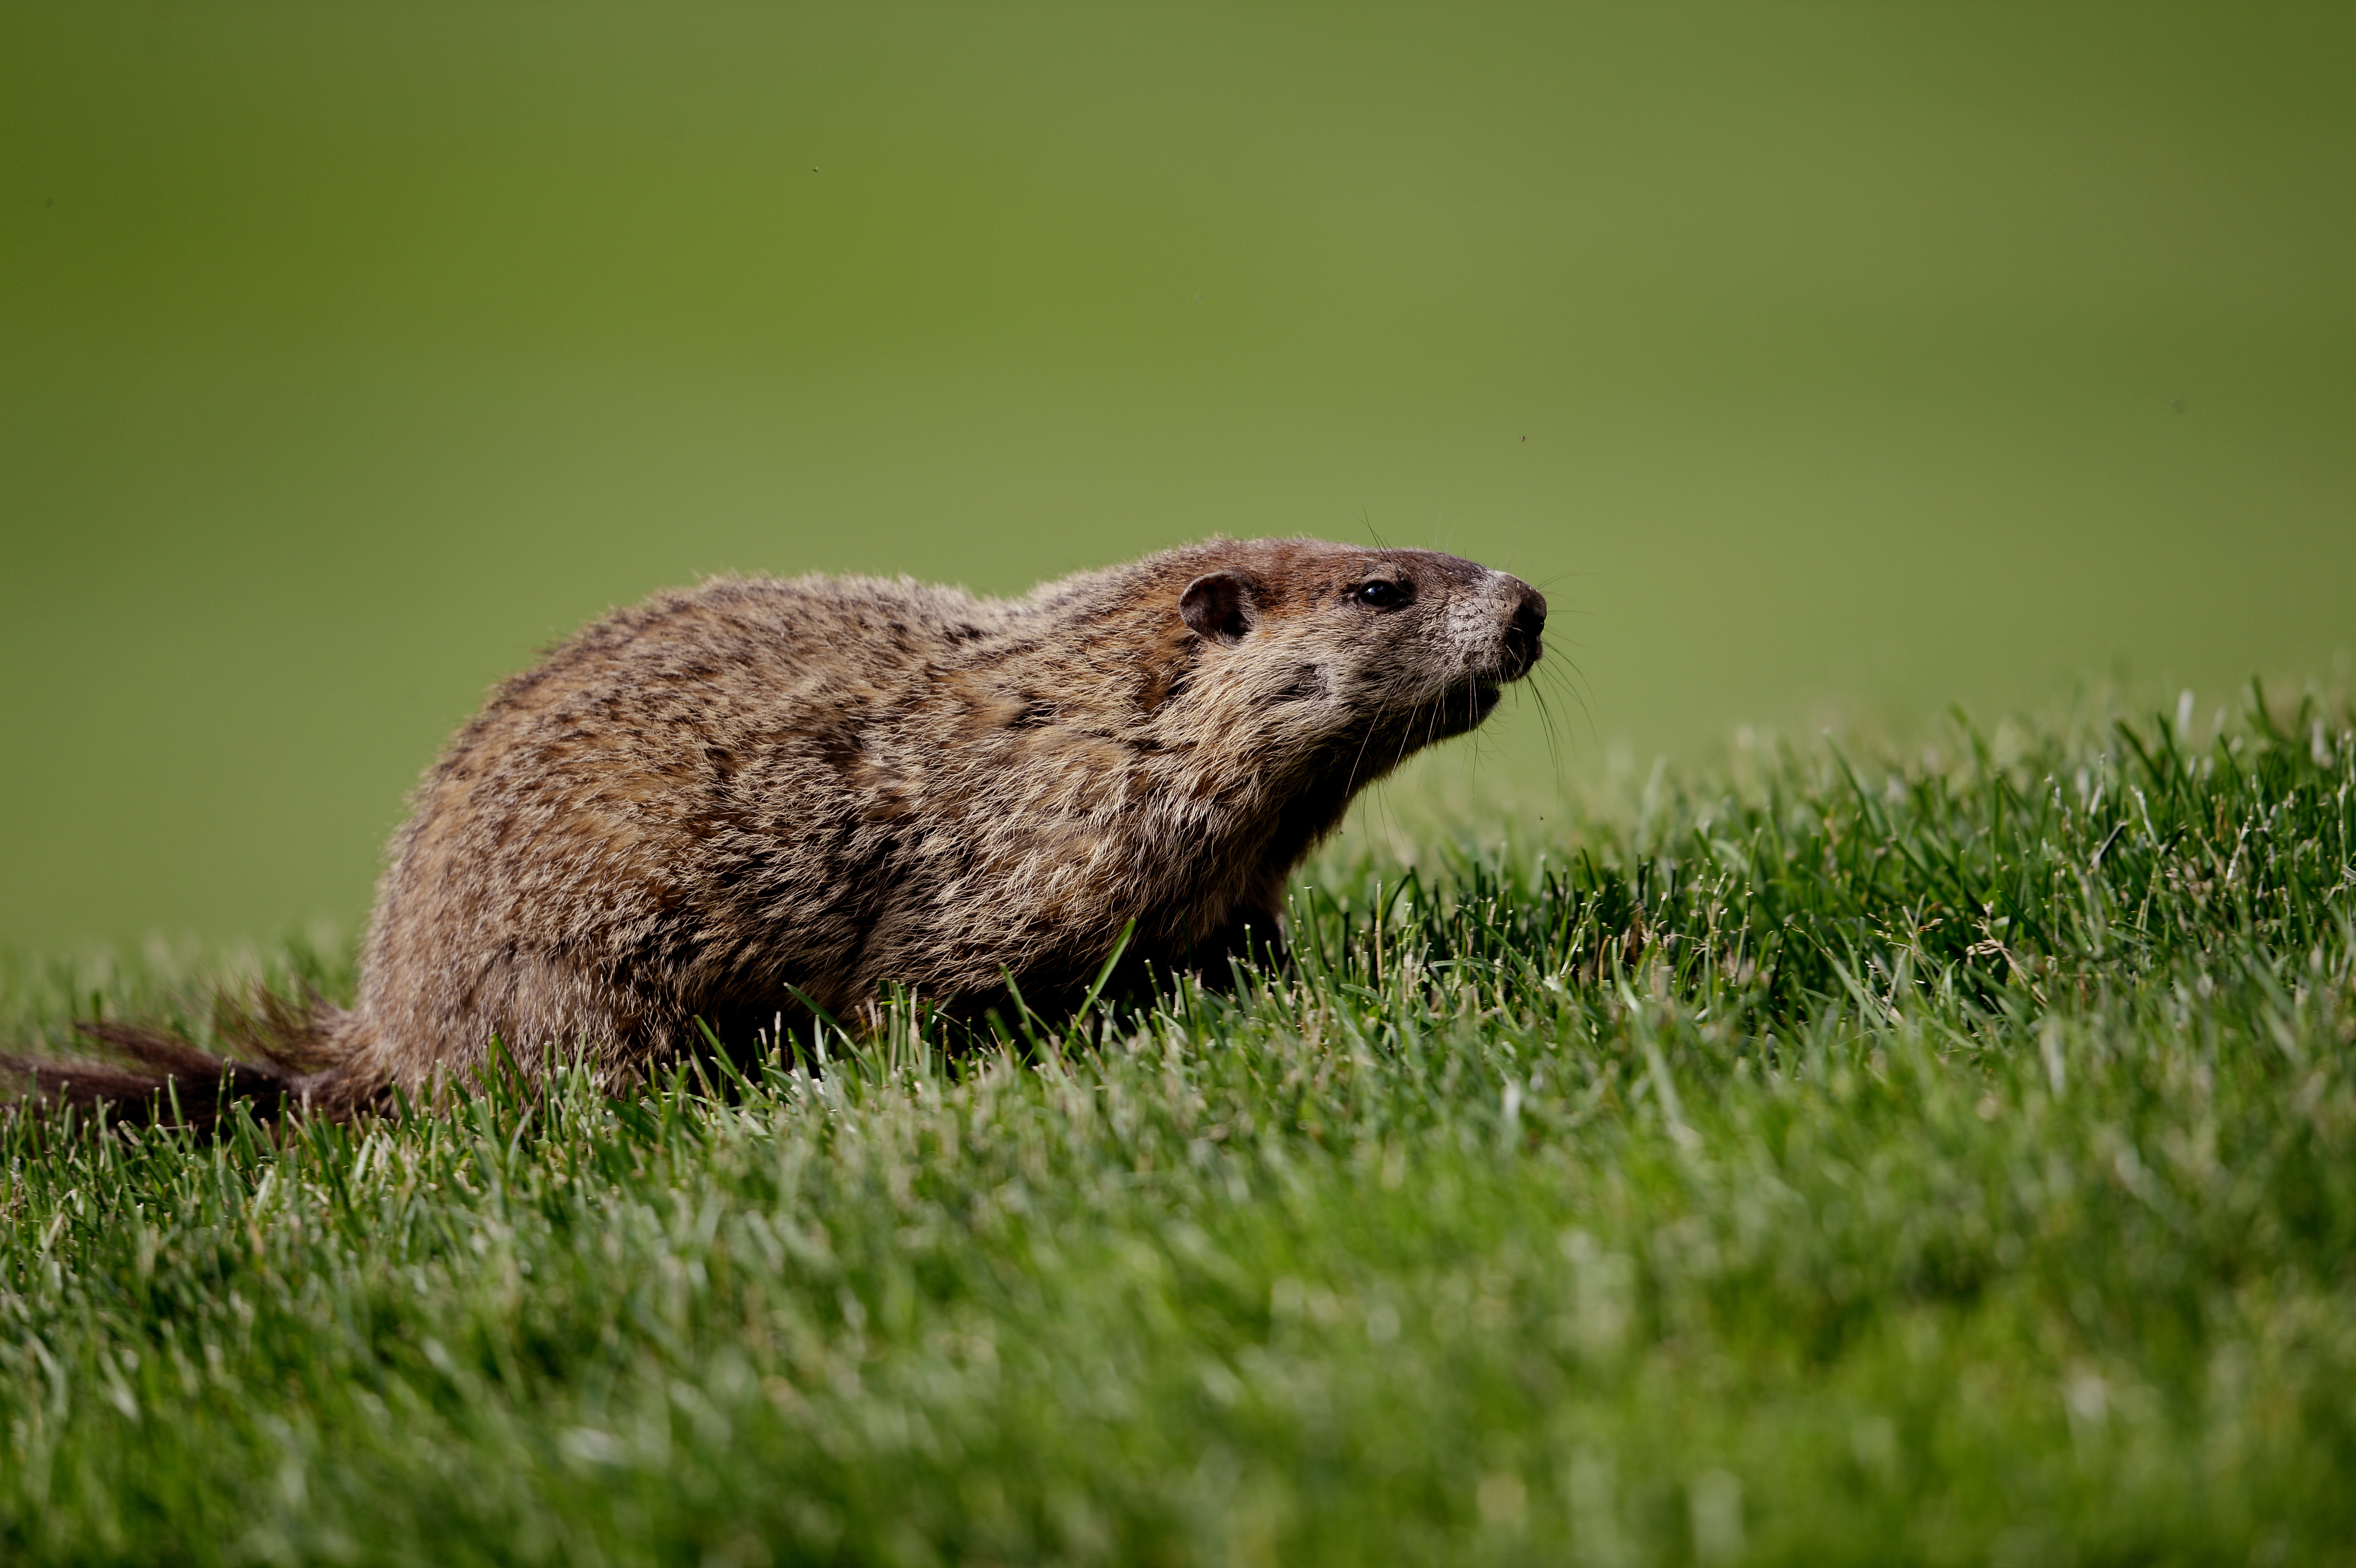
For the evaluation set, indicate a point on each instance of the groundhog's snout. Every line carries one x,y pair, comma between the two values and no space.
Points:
1523,647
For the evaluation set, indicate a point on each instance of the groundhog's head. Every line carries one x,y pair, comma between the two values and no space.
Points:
1380,650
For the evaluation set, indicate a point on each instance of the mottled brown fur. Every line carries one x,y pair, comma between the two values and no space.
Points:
708,803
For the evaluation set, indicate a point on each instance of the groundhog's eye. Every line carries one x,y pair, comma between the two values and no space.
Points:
1384,595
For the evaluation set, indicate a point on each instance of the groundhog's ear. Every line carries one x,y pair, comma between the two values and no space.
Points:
1219,606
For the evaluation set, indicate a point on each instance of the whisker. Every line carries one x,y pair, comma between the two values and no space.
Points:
1364,740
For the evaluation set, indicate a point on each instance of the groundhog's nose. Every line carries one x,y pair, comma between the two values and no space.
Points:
1522,645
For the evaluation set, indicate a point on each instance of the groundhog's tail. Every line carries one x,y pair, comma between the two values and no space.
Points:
285,1060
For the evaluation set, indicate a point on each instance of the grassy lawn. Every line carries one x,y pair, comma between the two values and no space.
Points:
1946,1156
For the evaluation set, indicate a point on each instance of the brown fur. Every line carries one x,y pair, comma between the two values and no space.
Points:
701,805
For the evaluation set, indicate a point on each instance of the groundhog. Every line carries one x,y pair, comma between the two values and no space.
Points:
759,797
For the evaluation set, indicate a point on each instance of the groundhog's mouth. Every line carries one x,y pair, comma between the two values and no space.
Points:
1463,707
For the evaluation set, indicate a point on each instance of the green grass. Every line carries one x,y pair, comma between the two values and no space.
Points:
1946,1157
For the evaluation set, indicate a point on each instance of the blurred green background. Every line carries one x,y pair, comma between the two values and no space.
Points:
1858,355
